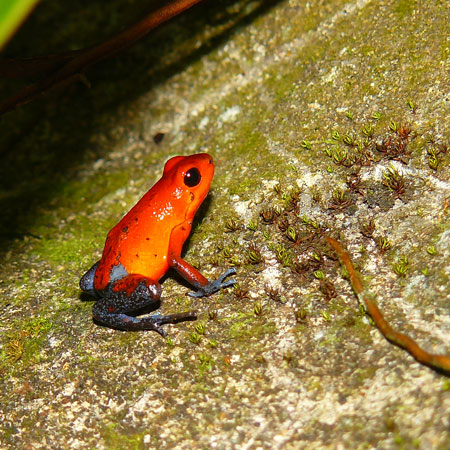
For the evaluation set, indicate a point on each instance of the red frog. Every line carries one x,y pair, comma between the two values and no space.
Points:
146,243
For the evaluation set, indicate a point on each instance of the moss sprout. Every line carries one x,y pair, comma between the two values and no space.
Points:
394,181
401,266
349,115
376,115
284,256
254,255
319,274
306,145
301,315
231,225
252,225
393,126
368,130
195,338
275,294
348,140
383,244
368,228
269,215
212,314
200,328
240,292
339,200
258,308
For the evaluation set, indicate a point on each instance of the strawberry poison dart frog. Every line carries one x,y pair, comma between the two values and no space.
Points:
146,243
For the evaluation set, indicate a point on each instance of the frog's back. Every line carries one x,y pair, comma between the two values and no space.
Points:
139,243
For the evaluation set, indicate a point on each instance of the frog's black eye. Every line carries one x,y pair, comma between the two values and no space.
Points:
192,177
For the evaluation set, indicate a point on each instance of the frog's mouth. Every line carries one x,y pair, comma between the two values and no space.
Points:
195,201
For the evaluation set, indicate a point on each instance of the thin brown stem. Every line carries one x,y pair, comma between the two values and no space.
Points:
438,362
80,60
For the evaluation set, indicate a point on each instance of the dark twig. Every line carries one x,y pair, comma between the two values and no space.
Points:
438,362
73,64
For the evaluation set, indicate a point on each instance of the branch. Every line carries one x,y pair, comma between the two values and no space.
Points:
74,64
438,362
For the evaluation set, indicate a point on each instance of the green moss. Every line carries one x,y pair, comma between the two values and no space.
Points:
405,8
23,346
362,374
63,251
127,340
117,440
248,326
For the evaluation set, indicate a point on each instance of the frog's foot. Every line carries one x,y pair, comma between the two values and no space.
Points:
214,286
130,323
157,320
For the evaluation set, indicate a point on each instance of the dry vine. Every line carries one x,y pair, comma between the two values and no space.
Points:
438,362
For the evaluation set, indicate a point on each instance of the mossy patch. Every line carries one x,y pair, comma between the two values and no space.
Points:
24,345
116,439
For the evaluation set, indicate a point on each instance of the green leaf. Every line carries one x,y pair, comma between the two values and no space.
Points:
12,14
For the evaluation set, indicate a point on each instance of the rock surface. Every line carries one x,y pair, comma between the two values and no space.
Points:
321,117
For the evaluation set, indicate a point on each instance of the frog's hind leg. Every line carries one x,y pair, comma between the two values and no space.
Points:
87,280
119,303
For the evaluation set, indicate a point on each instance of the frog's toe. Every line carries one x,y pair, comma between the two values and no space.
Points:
214,286
196,294
229,272
159,329
157,320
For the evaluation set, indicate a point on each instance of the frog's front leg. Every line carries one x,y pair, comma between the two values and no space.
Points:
204,287
120,302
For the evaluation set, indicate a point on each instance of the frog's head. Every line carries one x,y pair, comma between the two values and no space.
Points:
190,178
